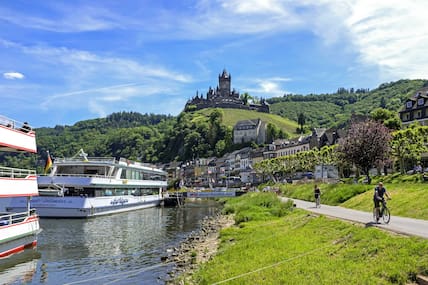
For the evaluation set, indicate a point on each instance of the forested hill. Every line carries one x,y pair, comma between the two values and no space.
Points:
125,134
209,132
330,110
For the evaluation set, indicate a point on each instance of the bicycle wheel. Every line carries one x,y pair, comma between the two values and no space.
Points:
375,216
386,215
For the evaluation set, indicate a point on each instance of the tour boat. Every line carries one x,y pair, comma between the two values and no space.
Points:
18,230
83,187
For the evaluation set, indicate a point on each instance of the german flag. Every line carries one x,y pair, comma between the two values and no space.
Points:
48,163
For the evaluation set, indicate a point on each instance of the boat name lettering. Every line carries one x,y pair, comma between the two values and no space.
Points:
119,201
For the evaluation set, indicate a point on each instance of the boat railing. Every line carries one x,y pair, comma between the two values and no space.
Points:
10,172
82,175
16,125
88,159
7,218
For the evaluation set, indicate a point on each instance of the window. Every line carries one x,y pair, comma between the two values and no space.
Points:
420,101
409,104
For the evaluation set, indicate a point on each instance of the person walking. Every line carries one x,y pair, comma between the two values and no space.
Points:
317,194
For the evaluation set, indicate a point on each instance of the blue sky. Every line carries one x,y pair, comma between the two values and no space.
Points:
66,61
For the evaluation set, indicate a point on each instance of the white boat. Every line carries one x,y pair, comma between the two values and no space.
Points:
82,187
18,230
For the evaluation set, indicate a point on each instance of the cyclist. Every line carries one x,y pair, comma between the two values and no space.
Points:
317,194
378,198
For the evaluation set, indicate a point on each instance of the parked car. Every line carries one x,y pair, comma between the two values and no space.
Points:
308,175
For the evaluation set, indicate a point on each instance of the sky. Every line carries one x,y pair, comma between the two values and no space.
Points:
66,61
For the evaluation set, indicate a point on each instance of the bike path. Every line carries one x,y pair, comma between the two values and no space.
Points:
406,226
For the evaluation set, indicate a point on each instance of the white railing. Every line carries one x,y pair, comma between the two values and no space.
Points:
15,172
89,159
14,218
10,123
82,175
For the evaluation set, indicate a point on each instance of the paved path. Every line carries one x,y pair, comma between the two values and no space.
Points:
407,226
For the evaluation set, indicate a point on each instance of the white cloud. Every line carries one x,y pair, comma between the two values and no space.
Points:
392,35
64,18
13,75
268,87
86,74
92,64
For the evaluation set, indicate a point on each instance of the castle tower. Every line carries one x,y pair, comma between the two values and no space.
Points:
224,83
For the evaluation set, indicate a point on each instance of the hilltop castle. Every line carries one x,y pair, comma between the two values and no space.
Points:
224,97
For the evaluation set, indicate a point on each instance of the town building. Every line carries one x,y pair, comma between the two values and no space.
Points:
283,147
415,109
249,131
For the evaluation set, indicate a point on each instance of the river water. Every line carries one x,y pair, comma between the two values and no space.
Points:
122,248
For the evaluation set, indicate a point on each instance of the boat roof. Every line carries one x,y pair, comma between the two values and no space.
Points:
107,161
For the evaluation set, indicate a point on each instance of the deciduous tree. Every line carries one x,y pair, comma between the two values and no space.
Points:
409,144
365,145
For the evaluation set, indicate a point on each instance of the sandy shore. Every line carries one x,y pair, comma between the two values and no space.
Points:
197,248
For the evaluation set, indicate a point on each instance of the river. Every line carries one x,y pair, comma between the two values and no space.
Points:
122,248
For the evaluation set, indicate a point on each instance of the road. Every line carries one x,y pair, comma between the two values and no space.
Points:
406,226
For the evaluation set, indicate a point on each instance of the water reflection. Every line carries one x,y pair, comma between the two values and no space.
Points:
19,268
123,248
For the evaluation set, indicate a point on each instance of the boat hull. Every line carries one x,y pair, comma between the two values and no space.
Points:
85,207
16,237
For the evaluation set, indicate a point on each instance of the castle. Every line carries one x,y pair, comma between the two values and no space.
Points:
224,97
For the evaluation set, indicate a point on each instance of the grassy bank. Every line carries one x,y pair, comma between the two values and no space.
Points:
275,244
409,199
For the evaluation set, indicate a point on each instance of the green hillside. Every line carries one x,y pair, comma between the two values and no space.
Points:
231,116
332,110
317,113
209,132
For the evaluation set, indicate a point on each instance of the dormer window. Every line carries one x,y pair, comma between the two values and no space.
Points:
420,101
409,104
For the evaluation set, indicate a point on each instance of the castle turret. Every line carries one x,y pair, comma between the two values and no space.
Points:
224,83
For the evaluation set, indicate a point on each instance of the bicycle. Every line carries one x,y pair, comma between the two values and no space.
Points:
384,213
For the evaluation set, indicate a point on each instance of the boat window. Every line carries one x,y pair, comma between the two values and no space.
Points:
149,191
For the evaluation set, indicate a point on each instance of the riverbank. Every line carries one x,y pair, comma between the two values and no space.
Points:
197,249
274,244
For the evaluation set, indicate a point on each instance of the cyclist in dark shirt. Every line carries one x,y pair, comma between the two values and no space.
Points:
378,198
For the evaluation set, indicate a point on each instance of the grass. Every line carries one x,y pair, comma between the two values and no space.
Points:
231,116
409,199
301,248
332,194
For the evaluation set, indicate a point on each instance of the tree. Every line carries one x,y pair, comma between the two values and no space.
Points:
409,144
245,98
301,119
389,118
272,132
365,145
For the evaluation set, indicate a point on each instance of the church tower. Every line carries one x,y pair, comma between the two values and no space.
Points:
224,83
